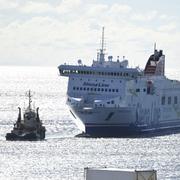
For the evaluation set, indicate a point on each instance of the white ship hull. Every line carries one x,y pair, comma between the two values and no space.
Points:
117,122
105,121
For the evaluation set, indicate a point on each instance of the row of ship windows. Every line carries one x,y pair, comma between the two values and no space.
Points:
95,80
95,89
97,73
169,100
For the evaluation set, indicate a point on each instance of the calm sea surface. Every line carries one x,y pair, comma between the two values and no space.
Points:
62,156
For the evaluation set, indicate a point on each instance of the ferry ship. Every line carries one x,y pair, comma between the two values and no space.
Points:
109,99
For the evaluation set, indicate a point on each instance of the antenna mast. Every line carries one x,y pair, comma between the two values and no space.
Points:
29,95
102,46
101,58
154,47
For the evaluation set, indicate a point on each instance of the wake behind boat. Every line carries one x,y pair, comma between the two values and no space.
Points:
109,99
28,128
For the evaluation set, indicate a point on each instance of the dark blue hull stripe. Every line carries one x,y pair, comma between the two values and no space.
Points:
118,130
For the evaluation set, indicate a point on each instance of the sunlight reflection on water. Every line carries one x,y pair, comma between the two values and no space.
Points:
61,156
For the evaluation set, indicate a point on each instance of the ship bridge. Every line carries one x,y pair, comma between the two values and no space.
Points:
70,70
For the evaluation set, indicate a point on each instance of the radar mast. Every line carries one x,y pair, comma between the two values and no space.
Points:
30,101
101,55
154,47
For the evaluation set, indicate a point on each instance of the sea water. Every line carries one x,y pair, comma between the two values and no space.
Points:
62,156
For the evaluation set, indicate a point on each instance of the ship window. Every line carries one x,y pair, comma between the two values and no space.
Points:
74,88
116,90
112,102
102,89
163,100
169,100
109,90
108,102
91,89
137,90
117,74
98,89
77,88
94,89
114,74
84,89
113,90
175,100
144,90
81,88
111,80
105,90
87,89
109,73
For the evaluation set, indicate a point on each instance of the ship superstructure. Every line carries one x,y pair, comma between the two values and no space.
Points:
111,99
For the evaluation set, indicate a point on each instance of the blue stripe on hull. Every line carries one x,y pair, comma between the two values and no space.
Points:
111,131
119,131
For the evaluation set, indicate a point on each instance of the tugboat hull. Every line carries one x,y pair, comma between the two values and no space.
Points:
25,137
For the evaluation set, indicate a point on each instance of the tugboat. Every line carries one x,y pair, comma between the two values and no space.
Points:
28,128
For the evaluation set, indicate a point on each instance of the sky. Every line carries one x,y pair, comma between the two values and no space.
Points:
54,32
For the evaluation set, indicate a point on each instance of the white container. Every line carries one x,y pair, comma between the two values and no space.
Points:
119,174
